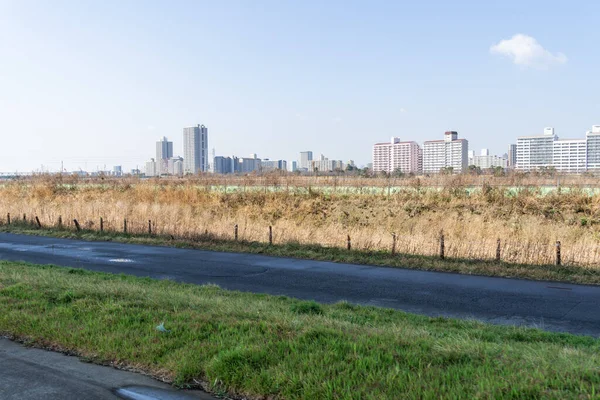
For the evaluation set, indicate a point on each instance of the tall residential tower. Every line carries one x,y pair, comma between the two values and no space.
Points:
195,149
451,152
395,156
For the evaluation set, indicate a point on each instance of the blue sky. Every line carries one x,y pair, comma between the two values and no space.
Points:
96,83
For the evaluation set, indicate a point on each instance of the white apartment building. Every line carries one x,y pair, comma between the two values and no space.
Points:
570,155
396,155
151,168
195,149
536,151
448,153
486,161
565,155
324,164
175,166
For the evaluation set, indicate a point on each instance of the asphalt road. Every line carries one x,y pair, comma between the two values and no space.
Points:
33,374
546,305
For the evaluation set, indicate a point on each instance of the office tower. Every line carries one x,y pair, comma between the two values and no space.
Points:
164,151
195,149
247,165
305,159
512,156
117,170
223,165
396,156
448,153
294,166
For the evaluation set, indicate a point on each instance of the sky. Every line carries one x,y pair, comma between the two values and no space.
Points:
97,83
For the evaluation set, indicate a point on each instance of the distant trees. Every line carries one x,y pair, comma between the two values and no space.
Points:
474,170
398,173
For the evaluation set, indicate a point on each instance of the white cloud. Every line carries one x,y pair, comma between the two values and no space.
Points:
525,51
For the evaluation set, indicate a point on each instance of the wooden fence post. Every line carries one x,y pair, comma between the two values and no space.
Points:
235,232
101,225
393,244
24,217
498,250
60,224
270,234
149,227
349,243
8,218
442,245
558,258
77,225
124,225
39,224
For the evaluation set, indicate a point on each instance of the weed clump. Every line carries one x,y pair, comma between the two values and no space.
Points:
307,307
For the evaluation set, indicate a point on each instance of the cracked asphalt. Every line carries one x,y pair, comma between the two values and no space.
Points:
546,305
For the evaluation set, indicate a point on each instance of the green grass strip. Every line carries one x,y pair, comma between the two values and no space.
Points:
277,347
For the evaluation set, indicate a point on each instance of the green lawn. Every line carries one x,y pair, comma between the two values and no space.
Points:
277,347
563,273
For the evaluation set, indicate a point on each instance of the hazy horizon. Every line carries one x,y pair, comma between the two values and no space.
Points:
94,84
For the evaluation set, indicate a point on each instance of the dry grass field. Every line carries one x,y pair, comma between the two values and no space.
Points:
472,211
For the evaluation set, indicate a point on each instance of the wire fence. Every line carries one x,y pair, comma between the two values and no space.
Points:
438,244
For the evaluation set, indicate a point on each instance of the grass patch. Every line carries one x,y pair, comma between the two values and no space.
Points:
277,347
548,272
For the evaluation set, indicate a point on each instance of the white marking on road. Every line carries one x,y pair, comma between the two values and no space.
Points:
120,260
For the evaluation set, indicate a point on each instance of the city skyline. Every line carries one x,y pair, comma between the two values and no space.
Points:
288,76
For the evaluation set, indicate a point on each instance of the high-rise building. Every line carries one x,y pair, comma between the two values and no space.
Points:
223,165
305,159
536,151
175,166
195,149
164,151
151,168
569,155
448,153
397,156
512,155
117,170
294,166
593,148
565,155
250,164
